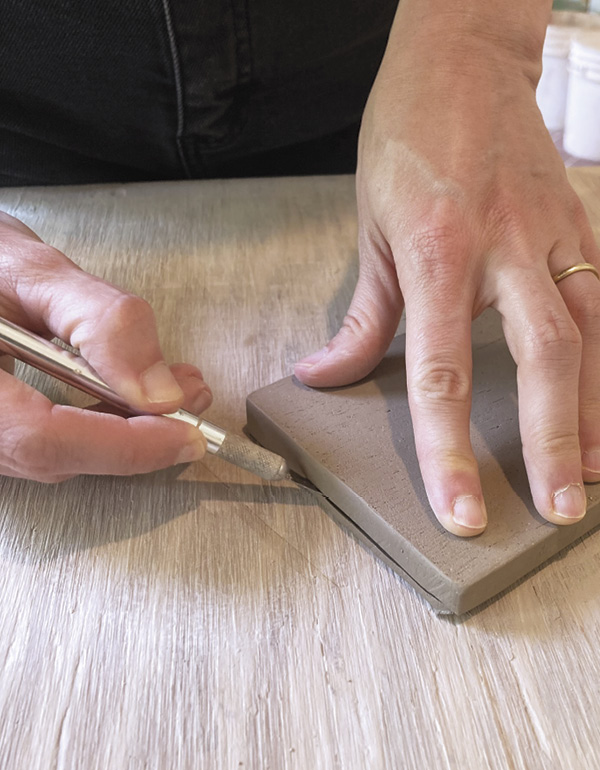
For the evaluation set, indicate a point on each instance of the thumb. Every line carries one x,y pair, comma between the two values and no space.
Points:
366,332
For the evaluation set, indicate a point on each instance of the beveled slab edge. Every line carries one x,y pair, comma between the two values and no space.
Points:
262,428
346,523
443,593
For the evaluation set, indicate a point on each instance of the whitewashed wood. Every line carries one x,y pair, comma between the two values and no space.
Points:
201,619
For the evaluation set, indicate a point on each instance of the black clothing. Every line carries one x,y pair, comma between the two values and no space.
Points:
130,90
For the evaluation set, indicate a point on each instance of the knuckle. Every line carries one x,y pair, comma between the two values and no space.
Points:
364,338
365,331
556,339
128,311
442,382
356,323
442,244
123,317
460,462
549,442
586,311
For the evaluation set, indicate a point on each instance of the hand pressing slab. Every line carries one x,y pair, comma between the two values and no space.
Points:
356,445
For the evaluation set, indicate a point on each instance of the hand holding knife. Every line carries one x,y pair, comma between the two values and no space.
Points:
74,370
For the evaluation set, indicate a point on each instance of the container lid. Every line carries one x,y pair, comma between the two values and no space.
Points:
558,40
584,58
563,26
574,19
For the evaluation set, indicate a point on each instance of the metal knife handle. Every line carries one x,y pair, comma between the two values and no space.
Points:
71,368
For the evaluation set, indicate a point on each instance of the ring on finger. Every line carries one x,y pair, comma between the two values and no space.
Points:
580,267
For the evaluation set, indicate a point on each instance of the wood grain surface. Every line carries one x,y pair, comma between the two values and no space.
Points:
198,618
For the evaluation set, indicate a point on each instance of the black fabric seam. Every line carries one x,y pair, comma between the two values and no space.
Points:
177,76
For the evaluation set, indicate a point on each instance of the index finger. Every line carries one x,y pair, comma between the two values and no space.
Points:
114,329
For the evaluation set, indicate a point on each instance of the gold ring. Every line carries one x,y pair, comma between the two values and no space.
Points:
576,269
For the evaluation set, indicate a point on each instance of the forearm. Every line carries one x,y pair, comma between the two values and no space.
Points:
505,30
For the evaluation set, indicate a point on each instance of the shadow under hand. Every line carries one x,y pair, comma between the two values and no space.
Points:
48,522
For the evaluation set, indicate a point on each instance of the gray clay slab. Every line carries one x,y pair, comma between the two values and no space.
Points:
356,445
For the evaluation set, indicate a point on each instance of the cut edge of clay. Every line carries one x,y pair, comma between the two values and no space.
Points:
439,589
297,459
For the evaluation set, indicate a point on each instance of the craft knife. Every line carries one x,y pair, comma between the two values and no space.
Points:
69,367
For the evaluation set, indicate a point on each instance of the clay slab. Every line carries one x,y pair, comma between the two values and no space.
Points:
356,445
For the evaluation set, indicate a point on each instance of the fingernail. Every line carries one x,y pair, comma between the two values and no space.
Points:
591,460
203,400
469,512
159,384
192,452
569,502
313,359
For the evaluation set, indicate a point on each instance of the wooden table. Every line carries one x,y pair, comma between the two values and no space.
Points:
197,618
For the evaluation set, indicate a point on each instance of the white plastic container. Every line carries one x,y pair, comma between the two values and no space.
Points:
552,88
551,92
582,119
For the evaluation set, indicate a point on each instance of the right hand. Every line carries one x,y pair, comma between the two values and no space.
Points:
44,291
463,204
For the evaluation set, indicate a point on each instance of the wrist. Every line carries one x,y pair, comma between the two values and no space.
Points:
503,32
